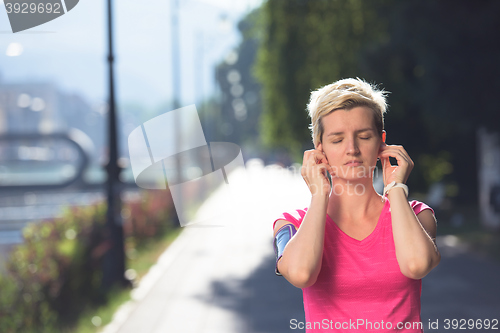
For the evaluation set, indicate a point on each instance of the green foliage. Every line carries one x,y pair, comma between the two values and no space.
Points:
436,166
55,274
237,116
439,60
309,44
54,270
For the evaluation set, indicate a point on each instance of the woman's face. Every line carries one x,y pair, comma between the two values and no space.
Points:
351,142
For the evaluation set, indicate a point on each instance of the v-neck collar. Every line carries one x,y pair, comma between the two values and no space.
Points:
367,238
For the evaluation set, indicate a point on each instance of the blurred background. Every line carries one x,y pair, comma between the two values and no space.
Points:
249,66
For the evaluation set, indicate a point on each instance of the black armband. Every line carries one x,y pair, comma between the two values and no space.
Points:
283,236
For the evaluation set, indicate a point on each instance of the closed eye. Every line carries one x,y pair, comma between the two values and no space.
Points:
362,138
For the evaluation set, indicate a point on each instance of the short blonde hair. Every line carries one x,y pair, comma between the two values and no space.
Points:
345,94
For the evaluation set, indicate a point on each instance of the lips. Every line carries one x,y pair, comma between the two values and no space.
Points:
354,163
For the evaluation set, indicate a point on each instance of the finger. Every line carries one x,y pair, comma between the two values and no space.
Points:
315,169
397,154
321,157
324,177
322,167
328,168
309,154
316,158
389,170
394,149
311,162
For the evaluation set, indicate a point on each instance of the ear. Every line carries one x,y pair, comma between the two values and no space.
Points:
319,147
384,134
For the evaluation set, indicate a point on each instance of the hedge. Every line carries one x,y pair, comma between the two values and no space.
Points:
55,274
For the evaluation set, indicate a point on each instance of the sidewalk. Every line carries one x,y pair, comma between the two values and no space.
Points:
221,279
463,286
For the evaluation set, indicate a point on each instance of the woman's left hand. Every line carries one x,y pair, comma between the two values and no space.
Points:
400,172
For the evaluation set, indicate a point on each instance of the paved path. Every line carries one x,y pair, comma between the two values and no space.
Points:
463,286
221,279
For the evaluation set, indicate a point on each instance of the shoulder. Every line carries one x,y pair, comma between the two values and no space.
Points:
419,206
426,217
295,217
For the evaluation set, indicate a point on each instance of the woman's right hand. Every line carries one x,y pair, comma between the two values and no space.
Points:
314,168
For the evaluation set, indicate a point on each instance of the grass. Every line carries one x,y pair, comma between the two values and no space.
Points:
140,260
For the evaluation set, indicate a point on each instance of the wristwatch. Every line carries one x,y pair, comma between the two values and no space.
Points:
392,185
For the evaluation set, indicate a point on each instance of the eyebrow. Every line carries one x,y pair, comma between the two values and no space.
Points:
358,131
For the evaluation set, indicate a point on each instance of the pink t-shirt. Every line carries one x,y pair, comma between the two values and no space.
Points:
360,287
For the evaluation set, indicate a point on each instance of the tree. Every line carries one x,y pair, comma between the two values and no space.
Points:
439,60
308,44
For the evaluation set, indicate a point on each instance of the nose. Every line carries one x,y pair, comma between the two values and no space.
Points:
352,147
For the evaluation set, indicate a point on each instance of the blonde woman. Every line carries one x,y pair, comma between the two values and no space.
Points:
358,256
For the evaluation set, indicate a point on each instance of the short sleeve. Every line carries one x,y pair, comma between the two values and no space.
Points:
419,206
295,217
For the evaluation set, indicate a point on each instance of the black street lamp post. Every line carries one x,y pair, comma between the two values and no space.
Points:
114,259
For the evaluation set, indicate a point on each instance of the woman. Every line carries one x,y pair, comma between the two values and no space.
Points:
359,257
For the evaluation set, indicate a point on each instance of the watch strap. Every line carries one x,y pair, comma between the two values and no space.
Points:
393,185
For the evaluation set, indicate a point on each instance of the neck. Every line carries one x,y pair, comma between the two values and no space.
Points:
353,200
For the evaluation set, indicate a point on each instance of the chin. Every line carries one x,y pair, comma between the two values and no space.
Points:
353,173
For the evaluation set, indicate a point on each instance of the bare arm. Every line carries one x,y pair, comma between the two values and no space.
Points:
414,237
301,260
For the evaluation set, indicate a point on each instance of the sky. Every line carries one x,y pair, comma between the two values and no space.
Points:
71,50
